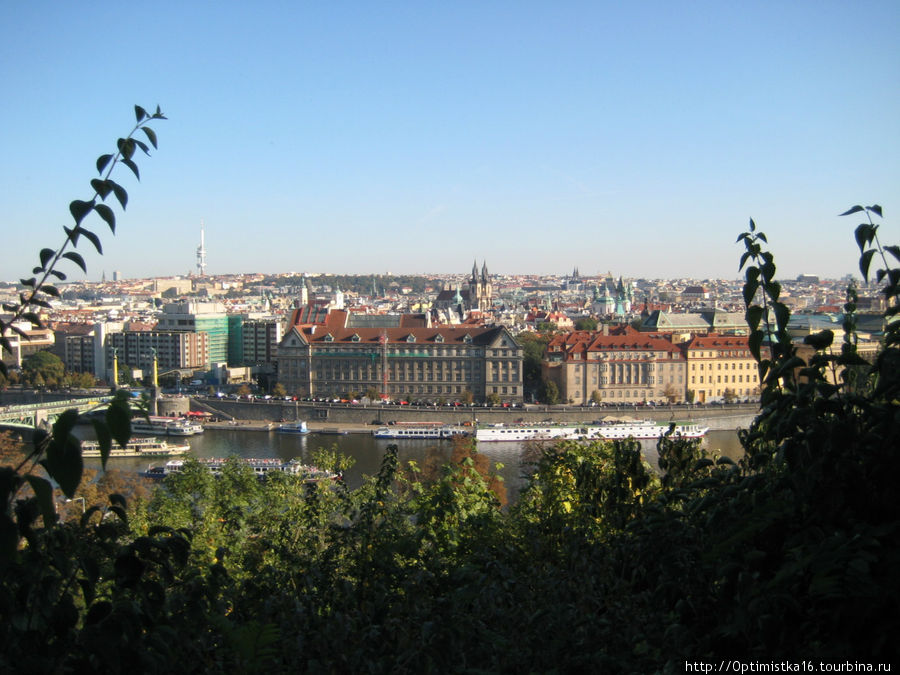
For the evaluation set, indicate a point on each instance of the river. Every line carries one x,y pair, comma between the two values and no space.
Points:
368,451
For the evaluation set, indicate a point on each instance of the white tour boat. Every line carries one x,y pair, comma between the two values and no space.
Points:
261,467
640,430
137,447
165,426
419,432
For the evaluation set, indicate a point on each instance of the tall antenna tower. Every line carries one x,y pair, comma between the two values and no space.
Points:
201,254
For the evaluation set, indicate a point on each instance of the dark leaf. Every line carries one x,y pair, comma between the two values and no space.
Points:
864,261
76,258
116,499
875,208
9,537
37,270
79,209
821,340
73,234
752,225
131,165
754,342
782,315
102,161
128,570
49,290
126,147
107,214
44,493
104,439
864,234
151,135
98,611
41,303
33,318
140,114
120,193
28,282
142,146
894,251
852,210
101,188
64,424
46,256
120,512
750,289
762,237
94,239
118,419
58,275
64,463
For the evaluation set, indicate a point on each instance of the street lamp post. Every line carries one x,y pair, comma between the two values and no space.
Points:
78,499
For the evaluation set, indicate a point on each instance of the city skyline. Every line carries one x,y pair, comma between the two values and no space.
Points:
413,139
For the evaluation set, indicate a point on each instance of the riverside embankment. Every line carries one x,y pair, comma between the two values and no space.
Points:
716,417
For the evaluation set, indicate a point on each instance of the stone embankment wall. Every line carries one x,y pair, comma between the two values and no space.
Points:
715,417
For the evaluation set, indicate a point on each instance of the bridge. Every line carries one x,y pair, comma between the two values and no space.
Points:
35,415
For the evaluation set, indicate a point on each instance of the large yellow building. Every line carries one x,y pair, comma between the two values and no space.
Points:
720,367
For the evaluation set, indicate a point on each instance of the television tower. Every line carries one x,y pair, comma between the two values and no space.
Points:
201,254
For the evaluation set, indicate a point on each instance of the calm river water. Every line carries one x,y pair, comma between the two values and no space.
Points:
368,451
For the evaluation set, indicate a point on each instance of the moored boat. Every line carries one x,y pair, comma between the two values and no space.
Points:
136,447
298,427
639,430
420,432
165,426
262,467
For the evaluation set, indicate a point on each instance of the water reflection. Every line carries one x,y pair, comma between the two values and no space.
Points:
368,451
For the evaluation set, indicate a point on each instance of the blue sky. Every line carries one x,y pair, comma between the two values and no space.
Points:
404,137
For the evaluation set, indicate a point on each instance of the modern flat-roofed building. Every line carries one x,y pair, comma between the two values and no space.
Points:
199,317
175,350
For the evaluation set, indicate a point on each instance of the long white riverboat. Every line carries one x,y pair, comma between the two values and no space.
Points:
137,447
165,426
421,431
640,430
261,467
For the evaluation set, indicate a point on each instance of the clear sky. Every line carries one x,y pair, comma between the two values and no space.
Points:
407,137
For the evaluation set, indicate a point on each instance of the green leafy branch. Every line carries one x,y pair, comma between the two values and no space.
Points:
887,363
772,313
39,292
59,451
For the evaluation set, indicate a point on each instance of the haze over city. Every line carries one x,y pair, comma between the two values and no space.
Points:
408,138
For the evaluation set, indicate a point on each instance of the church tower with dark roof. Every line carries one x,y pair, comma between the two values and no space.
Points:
481,293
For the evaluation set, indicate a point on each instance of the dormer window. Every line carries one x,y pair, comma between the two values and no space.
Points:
329,338
439,338
355,338
467,339
410,338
